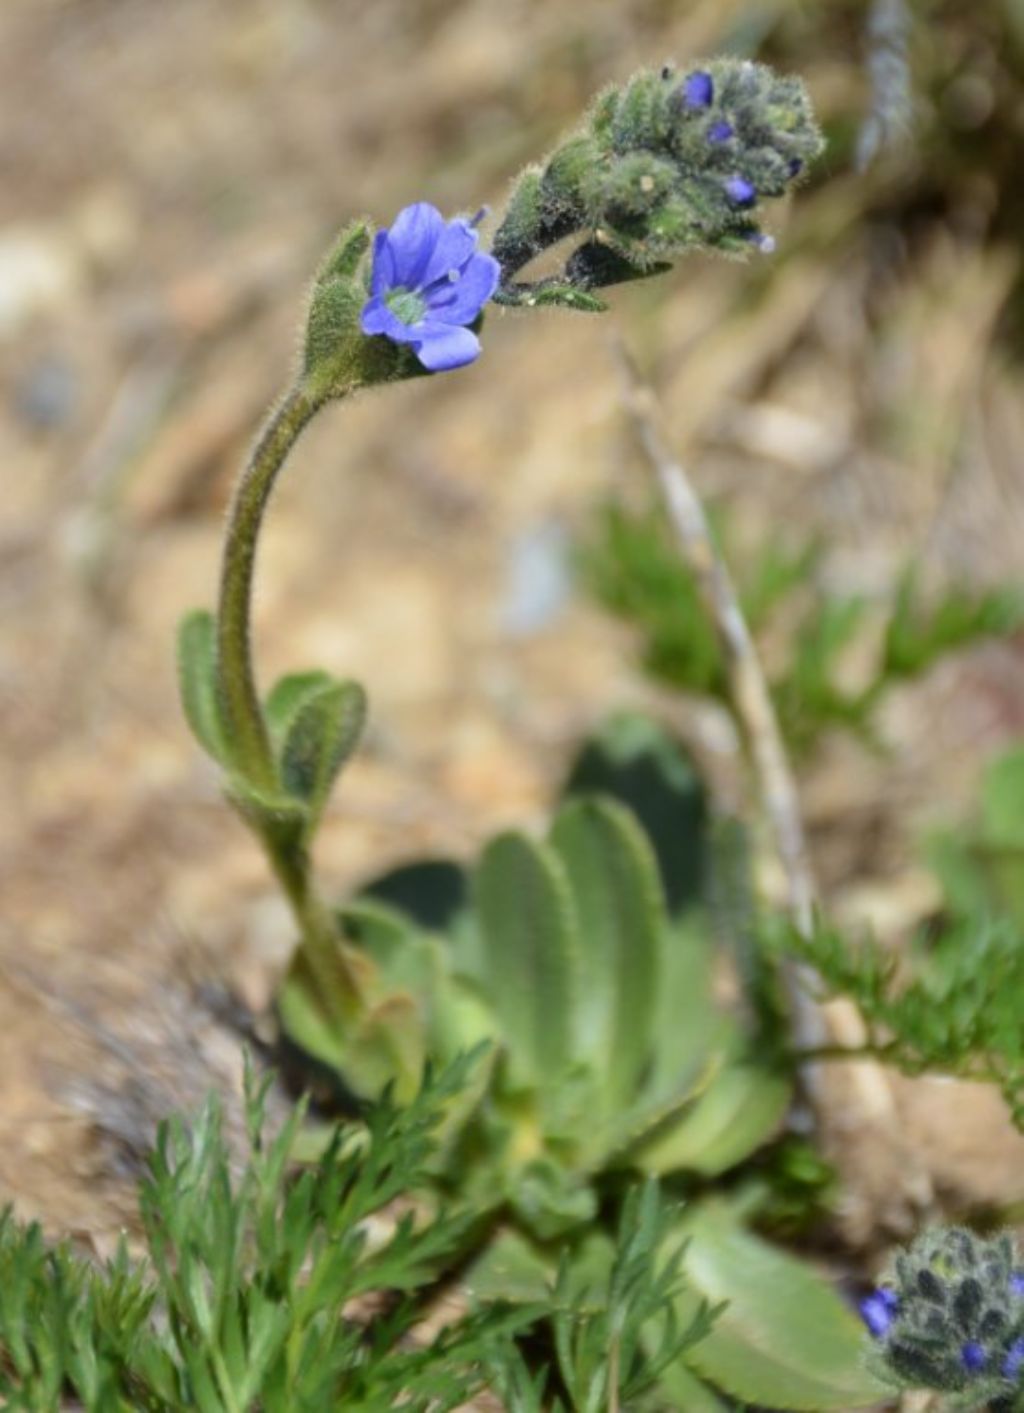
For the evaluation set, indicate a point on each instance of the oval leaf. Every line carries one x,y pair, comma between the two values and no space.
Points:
741,1108
785,1339
621,914
320,738
529,954
285,698
197,682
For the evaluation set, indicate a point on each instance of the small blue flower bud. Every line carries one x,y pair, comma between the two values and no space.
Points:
973,1356
740,192
762,243
720,131
796,166
698,90
878,1311
1014,1361
1017,1283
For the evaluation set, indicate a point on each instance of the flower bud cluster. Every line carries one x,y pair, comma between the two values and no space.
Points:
664,164
949,1315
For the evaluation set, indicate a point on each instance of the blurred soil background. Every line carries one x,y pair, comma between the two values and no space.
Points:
170,175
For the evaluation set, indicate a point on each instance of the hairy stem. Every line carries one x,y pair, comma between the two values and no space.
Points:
338,985
240,701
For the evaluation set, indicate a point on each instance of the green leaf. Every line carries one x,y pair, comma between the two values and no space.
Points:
738,1112
689,1027
636,761
278,818
1003,800
550,1200
321,736
785,1339
683,1390
621,914
285,698
511,1268
197,681
529,955
634,1129
387,1046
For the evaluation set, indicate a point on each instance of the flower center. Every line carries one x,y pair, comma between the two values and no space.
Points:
406,304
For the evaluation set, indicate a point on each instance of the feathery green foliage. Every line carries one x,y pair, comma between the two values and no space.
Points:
249,1293
957,1012
981,864
631,565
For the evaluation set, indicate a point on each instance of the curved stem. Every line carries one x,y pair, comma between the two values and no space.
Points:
236,679
337,982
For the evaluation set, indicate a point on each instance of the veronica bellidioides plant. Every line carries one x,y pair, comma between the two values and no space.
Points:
566,962
660,166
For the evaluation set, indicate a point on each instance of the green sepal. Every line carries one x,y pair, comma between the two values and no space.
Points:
322,734
345,256
621,913
197,682
550,294
596,265
529,955
333,336
785,1338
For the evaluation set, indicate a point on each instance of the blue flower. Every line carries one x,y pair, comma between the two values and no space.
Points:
428,282
740,192
878,1310
973,1356
1014,1361
698,90
720,131
1017,1282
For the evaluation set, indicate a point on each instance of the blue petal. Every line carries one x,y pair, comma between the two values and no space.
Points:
877,1312
973,1356
740,192
412,239
382,277
452,251
377,318
442,347
698,90
460,301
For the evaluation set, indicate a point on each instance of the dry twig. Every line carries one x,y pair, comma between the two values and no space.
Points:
867,1100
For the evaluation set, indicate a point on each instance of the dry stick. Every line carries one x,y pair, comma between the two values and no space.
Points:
836,1022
